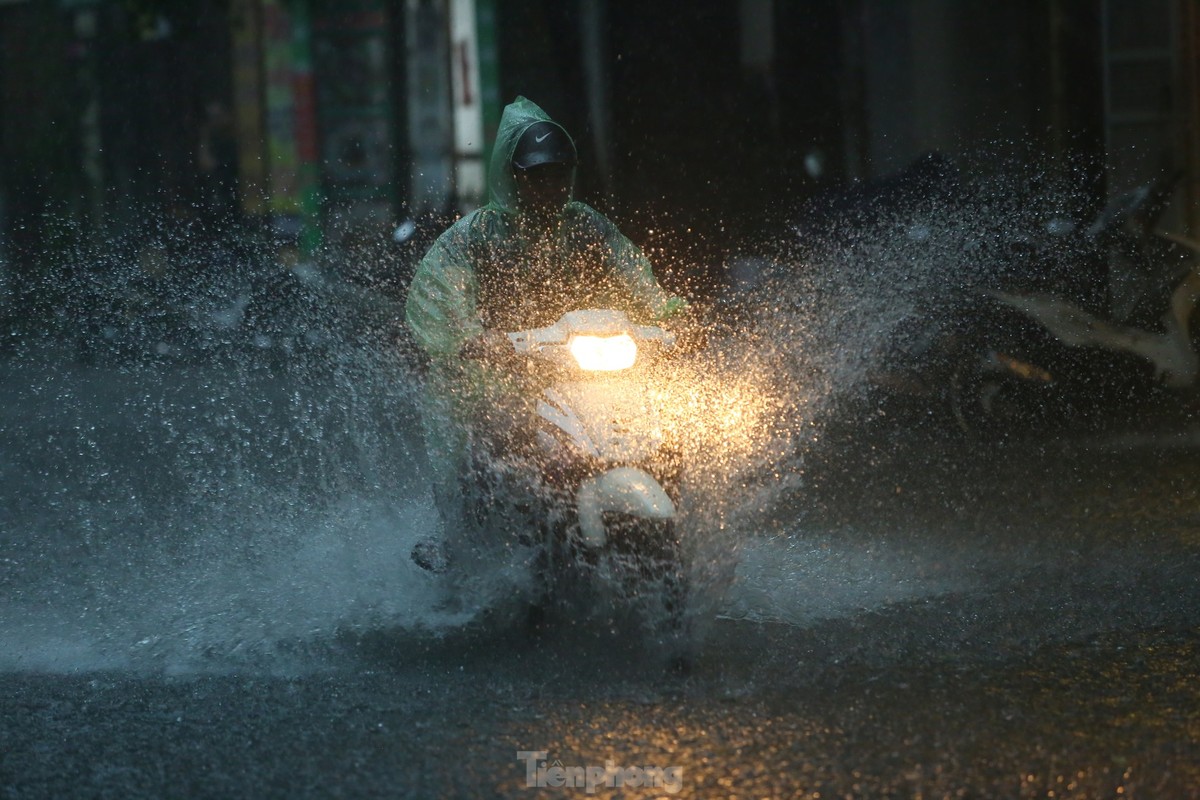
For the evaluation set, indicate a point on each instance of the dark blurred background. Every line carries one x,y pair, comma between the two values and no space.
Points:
701,125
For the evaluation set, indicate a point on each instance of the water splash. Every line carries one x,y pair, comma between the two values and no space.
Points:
866,284
240,508
210,508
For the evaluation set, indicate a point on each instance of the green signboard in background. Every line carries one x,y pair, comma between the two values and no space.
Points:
354,95
294,198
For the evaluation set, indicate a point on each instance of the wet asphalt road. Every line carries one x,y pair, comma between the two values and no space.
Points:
1112,716
1060,658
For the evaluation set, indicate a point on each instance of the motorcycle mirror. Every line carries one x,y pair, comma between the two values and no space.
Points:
405,231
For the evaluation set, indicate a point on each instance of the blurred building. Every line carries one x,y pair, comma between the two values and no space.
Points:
696,122
1113,81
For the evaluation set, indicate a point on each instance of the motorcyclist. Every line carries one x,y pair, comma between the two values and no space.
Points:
521,261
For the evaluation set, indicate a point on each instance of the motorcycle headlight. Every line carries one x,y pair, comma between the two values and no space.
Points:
603,353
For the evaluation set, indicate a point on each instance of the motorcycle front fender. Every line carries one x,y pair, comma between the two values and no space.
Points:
625,490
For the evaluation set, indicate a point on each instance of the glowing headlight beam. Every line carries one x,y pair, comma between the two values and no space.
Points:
603,353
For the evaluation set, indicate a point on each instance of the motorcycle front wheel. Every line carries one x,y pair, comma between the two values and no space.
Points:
640,574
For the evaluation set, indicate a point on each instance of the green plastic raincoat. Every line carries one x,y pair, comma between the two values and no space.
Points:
494,270
489,271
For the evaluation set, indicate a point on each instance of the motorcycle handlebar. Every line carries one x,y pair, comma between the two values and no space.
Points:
507,348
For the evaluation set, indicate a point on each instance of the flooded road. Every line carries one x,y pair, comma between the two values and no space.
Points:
207,594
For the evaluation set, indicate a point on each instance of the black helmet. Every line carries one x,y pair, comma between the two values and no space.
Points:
543,143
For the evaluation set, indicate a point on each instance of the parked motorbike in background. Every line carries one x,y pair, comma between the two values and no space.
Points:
251,298
1140,337
1064,317
132,311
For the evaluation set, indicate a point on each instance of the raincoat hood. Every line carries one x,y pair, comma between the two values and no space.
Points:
517,118
485,271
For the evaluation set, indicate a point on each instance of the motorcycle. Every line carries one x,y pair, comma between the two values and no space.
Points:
586,477
1141,335
1073,318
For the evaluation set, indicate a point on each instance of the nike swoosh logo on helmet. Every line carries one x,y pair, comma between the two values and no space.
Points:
540,139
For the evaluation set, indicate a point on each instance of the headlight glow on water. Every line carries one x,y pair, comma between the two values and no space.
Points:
603,353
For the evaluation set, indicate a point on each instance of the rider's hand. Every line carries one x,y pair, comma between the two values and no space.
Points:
691,333
491,345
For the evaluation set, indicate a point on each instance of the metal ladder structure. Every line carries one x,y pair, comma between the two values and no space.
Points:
1151,75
